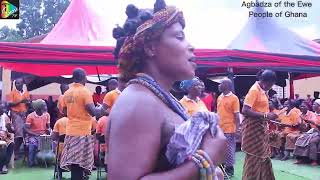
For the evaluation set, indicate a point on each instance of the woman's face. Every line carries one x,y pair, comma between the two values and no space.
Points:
316,107
174,55
196,89
304,108
19,84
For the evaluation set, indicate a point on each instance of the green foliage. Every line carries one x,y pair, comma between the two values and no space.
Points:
9,35
37,17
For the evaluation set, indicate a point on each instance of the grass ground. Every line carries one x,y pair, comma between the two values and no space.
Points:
283,171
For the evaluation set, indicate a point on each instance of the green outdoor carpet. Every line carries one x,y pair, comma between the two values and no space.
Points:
284,170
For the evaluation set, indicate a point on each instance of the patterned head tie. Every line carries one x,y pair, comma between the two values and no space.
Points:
317,101
187,84
144,25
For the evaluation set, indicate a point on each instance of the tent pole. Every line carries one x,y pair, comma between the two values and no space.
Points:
291,86
231,77
6,83
98,73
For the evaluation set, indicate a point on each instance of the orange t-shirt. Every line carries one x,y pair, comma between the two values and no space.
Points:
257,99
192,106
16,96
60,126
227,106
111,97
292,118
38,124
102,125
75,99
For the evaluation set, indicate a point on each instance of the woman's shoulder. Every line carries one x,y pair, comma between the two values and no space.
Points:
136,102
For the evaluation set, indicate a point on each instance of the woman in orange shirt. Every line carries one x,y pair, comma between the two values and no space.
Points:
255,140
37,123
192,102
18,103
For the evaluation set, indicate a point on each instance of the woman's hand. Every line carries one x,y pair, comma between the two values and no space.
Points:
215,146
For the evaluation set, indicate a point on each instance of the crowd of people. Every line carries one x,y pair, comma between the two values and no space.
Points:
141,124
25,123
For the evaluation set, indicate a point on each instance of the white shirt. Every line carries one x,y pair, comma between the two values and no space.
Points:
3,118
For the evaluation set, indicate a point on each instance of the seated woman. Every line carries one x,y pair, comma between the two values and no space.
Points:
102,126
289,130
6,136
58,132
37,123
192,102
308,143
155,54
57,135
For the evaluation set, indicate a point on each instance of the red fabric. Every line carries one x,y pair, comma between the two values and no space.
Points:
45,70
208,101
56,60
98,98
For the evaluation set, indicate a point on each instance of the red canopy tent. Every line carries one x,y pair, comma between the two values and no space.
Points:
83,37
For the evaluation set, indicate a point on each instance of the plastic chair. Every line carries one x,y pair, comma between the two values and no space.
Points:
101,154
57,174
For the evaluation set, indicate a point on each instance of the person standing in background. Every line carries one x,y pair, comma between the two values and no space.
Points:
77,154
18,103
207,98
255,140
192,102
228,109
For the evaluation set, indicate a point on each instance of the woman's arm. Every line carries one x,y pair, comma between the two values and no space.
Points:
248,111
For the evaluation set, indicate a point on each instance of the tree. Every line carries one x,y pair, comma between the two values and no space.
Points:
9,35
38,17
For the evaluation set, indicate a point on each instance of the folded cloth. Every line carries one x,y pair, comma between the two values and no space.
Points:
188,136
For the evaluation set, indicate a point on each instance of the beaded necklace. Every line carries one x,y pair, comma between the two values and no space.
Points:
167,98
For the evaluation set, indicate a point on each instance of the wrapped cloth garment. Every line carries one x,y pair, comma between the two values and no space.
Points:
307,145
305,138
188,136
291,139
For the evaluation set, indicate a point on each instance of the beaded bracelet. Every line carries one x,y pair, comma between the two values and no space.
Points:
265,115
206,165
206,156
202,170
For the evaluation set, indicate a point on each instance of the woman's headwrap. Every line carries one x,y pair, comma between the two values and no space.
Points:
144,26
317,101
187,84
37,104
